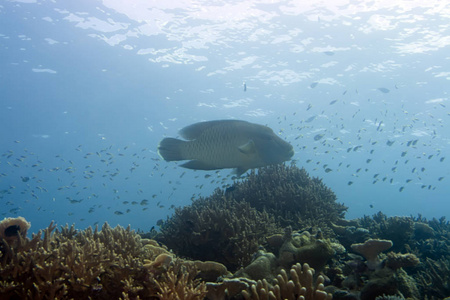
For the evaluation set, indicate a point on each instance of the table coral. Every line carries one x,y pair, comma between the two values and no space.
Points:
370,250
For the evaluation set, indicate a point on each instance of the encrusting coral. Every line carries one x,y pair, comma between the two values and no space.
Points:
298,285
93,264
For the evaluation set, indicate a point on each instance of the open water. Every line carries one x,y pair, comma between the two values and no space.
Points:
89,88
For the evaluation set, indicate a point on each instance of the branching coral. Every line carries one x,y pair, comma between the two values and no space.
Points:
228,226
290,195
396,261
435,278
399,230
179,284
217,229
106,264
298,285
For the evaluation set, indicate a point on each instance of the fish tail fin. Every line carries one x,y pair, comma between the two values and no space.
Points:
170,149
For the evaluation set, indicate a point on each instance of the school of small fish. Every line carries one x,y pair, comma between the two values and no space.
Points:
382,150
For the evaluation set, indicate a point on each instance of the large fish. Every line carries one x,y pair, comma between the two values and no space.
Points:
226,144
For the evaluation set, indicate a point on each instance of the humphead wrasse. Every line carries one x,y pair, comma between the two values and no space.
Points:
225,144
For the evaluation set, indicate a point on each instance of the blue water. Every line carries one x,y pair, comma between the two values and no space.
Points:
89,88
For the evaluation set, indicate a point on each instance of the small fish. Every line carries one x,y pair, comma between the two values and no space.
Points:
313,85
310,119
319,136
390,143
245,86
383,90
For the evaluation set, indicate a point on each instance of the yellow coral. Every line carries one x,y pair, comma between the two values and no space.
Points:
92,264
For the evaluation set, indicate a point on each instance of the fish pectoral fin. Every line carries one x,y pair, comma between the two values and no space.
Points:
198,165
248,148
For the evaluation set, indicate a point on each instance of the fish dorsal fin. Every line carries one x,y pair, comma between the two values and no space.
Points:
193,131
248,148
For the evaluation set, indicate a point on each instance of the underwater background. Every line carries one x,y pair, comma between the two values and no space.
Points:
89,88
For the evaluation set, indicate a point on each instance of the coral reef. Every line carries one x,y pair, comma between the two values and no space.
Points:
370,250
396,261
290,195
106,264
298,285
275,220
13,229
228,226
418,268
434,278
217,229
399,230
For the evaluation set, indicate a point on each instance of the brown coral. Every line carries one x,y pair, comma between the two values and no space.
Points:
305,248
106,264
217,229
300,285
290,195
396,261
12,229
229,225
